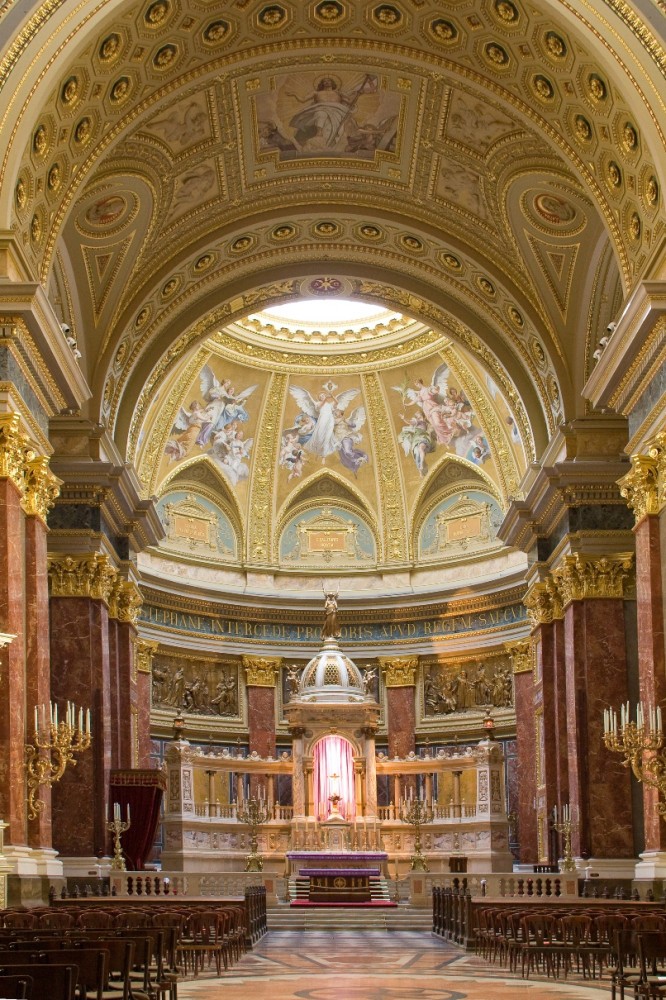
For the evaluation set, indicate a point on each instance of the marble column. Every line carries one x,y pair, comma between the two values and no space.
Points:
370,811
80,672
523,681
592,589
124,604
400,681
262,675
643,488
298,777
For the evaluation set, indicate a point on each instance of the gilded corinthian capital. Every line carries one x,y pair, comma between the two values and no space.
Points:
125,601
399,671
584,576
261,671
41,487
90,575
13,444
145,650
543,602
640,486
521,655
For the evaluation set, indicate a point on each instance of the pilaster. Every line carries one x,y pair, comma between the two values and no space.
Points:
262,675
400,674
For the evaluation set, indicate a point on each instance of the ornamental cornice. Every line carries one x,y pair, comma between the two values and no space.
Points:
41,487
580,577
521,654
543,602
262,671
90,575
399,671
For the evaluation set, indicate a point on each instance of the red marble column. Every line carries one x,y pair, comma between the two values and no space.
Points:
80,672
401,724
38,678
596,670
261,727
143,709
127,752
651,658
12,680
526,743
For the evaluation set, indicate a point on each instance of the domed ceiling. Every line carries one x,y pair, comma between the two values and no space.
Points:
484,178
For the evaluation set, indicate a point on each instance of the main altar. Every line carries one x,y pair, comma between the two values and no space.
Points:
332,826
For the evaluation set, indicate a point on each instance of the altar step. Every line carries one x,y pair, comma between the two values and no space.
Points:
299,889
400,918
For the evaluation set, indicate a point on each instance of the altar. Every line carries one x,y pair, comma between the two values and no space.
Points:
347,878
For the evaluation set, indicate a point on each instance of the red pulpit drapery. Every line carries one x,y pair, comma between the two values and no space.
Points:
142,791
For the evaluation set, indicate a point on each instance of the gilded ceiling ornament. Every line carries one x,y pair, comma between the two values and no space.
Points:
203,262
272,17
283,232
538,352
554,392
555,45
329,12
53,178
394,543
325,285
412,243
486,286
36,231
21,194
156,13
596,87
387,16
110,47
242,244
120,90
635,226
582,128
327,229
142,316
652,191
543,88
70,91
506,11
444,31
83,131
370,232
40,141
496,54
216,32
614,174
262,491
555,210
629,137
451,261
165,56
515,316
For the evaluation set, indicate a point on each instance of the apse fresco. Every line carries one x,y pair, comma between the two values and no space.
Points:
336,113
218,419
327,536
433,415
465,522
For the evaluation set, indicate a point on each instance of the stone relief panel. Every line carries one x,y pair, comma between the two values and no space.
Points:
195,685
195,526
473,686
463,523
327,536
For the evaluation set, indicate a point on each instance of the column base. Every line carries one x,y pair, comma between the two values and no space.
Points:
32,861
652,865
82,867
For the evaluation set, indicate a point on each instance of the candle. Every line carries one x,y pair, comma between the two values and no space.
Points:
116,810
80,720
128,813
88,722
555,813
36,720
55,715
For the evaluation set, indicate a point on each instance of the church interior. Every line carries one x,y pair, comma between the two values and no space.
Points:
333,482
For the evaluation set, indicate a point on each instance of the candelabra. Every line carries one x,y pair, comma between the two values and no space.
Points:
254,814
640,745
52,749
116,827
566,826
416,813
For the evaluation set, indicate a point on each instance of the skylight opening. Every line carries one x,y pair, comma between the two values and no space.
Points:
330,313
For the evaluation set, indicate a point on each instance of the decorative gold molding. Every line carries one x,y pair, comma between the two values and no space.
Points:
583,576
41,487
90,575
522,655
145,650
13,444
543,602
125,601
262,671
399,671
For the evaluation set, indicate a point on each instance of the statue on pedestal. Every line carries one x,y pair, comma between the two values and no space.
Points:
331,628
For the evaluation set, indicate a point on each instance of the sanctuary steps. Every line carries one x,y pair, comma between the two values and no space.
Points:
400,918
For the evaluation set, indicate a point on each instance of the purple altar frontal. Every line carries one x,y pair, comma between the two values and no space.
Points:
338,871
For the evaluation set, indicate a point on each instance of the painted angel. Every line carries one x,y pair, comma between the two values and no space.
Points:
185,431
230,450
347,432
324,439
224,405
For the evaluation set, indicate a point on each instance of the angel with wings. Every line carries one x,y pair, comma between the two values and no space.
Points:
223,404
447,411
185,431
328,430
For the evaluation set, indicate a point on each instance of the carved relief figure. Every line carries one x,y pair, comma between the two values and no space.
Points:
293,679
448,690
187,686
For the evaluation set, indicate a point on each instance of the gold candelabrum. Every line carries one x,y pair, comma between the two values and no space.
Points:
415,812
640,743
117,826
54,744
254,814
566,825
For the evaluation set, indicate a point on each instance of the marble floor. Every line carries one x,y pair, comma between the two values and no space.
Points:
373,965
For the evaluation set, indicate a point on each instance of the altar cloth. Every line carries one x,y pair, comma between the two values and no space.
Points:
332,872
